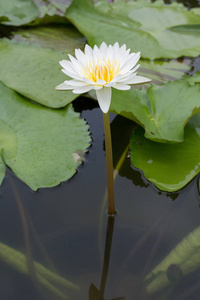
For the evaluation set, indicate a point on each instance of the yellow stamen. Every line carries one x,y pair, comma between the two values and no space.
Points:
104,70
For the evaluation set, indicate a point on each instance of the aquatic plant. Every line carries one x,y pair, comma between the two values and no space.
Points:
102,69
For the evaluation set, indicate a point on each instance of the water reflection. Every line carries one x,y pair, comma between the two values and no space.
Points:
94,292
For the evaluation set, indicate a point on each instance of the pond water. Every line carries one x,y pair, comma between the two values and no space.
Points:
67,230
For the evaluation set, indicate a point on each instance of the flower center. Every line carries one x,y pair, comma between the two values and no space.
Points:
104,70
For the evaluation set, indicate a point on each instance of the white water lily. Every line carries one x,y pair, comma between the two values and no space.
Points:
101,69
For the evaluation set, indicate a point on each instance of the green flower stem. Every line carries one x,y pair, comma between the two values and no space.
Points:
109,165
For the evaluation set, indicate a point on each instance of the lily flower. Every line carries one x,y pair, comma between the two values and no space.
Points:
101,69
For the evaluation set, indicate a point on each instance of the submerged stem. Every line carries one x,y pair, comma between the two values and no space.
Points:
109,164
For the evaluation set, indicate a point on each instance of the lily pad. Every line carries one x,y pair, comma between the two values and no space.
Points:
163,110
162,71
169,166
129,22
60,38
52,11
17,12
34,72
38,143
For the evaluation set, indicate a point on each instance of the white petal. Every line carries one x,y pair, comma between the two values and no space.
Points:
88,52
96,87
137,80
116,46
80,55
109,54
78,65
63,86
122,87
67,65
81,90
72,75
104,98
110,84
103,48
128,75
75,83
130,62
123,48
116,78
100,82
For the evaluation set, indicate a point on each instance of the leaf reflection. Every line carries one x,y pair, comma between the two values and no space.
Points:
182,260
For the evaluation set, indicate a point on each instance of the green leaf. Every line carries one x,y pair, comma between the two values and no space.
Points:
187,29
51,12
17,12
169,166
142,25
60,38
162,71
185,256
34,72
38,144
163,110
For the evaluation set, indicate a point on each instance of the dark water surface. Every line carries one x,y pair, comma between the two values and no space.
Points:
70,221
67,230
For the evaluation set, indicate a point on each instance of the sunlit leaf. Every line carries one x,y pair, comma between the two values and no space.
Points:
185,256
60,38
163,110
144,26
169,166
17,12
33,72
38,143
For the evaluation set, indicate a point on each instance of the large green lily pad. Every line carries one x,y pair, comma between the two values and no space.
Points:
163,110
34,72
17,12
39,144
169,166
142,25
60,38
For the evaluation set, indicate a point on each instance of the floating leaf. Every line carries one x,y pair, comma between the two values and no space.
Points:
163,110
162,71
185,256
51,11
17,12
129,23
169,166
60,38
38,143
34,72
187,29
